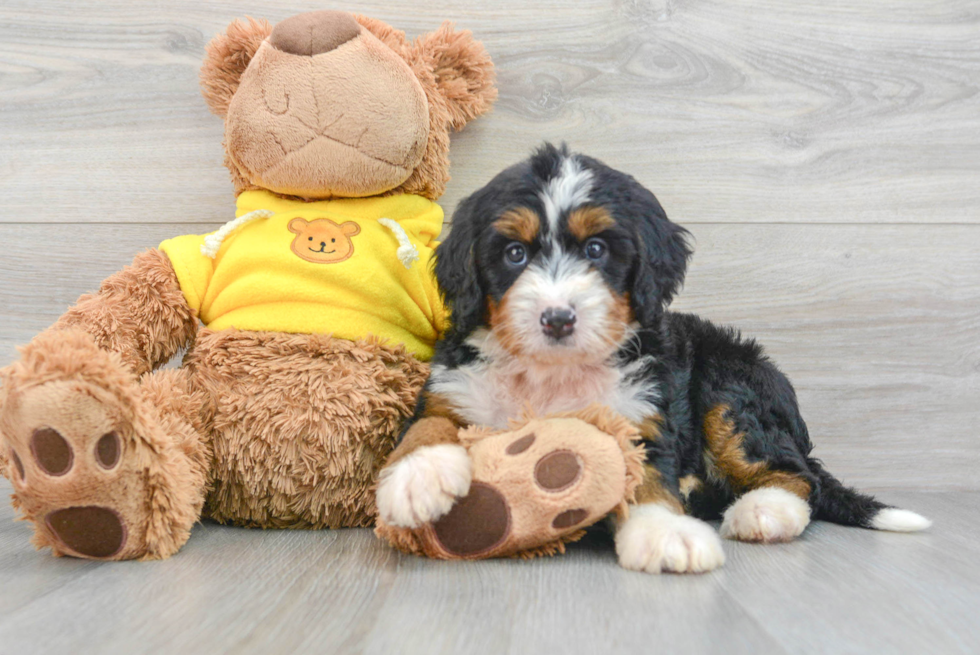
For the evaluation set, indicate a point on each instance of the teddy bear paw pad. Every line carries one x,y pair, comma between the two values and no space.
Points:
72,475
477,523
534,488
95,532
537,486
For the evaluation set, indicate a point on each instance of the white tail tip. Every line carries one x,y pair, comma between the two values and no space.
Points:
899,520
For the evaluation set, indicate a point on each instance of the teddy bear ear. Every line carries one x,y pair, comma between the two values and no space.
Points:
394,39
462,69
227,56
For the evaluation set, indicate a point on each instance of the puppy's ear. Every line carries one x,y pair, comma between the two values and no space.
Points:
227,56
663,252
462,69
457,272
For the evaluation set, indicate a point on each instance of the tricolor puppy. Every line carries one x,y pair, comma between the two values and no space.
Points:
558,274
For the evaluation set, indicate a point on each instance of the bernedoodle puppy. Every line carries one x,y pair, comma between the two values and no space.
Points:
558,274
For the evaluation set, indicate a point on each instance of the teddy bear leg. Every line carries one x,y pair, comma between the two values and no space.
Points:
103,466
533,490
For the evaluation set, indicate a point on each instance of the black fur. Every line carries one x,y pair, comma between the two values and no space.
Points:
697,365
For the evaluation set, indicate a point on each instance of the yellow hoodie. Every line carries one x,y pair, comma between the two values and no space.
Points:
327,267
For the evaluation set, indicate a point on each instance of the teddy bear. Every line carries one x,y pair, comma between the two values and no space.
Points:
535,487
307,320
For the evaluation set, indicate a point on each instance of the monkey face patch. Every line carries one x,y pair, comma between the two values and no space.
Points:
322,241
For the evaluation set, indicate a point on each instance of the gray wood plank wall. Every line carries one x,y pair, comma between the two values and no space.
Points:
825,155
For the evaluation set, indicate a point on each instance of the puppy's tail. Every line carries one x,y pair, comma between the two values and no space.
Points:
839,504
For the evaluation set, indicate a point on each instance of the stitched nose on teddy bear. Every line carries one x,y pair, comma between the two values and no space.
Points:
314,32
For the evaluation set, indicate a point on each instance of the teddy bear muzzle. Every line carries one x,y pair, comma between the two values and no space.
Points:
314,32
325,109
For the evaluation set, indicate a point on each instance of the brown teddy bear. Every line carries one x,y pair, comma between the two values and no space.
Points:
317,304
535,487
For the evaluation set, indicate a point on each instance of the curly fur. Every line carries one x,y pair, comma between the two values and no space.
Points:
139,313
257,429
431,59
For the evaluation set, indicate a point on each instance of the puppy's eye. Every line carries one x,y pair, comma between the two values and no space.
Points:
515,254
595,249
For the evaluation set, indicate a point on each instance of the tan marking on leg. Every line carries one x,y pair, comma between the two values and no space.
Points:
689,484
520,223
429,431
726,459
652,490
650,427
438,405
585,222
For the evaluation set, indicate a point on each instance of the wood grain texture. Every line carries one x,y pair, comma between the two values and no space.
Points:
826,157
836,590
878,326
769,111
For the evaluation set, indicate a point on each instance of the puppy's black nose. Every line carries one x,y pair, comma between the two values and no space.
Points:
558,322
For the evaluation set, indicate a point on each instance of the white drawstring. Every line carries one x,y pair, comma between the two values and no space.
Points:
212,242
407,253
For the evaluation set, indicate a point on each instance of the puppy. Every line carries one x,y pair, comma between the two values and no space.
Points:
558,274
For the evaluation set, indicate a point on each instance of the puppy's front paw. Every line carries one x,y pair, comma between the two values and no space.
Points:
422,486
654,539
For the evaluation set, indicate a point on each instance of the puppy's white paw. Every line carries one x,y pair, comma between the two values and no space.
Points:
767,515
655,539
422,486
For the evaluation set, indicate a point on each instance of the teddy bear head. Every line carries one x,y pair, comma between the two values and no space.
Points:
329,104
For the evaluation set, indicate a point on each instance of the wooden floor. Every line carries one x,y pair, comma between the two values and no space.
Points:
836,590
826,157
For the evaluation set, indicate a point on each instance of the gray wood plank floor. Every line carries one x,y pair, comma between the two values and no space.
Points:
826,156
836,590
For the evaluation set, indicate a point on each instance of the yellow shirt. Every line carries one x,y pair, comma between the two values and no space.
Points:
320,267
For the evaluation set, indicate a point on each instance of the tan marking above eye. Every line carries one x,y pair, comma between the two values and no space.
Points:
585,222
520,223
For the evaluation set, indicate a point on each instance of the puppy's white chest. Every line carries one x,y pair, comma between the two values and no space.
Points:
493,392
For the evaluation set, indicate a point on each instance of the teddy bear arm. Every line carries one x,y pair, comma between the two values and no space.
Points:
139,313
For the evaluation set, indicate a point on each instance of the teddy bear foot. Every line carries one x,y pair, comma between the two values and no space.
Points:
70,475
89,485
563,500
534,489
